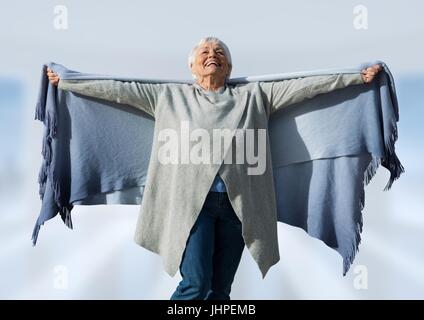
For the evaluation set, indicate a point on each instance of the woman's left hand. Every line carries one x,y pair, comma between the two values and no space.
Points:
368,74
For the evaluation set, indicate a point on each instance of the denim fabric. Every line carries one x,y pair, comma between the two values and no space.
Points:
218,185
213,252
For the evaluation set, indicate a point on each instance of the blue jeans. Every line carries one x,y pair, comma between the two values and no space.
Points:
213,252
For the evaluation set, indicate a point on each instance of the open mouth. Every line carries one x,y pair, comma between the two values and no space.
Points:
210,63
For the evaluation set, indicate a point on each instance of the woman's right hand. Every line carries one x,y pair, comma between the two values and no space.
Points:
53,77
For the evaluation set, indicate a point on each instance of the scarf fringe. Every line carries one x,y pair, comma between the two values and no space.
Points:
348,260
40,111
65,214
35,233
49,119
40,108
392,163
64,210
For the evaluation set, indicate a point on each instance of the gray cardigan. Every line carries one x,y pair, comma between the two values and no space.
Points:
174,193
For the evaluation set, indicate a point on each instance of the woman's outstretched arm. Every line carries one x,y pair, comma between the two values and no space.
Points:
281,94
143,96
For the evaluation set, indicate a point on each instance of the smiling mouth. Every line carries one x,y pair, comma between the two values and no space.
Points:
212,63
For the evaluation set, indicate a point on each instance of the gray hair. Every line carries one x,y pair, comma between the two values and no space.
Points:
210,39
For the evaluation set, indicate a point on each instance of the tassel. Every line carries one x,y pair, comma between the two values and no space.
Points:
42,179
391,161
348,260
350,257
35,233
371,169
40,107
48,150
65,214
40,112
51,124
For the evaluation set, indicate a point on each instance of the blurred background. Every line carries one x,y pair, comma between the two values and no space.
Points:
152,39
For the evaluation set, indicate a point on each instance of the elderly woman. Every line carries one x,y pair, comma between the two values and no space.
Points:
199,215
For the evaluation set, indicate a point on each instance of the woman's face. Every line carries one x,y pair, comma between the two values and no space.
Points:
210,59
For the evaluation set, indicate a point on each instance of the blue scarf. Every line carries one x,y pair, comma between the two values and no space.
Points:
324,150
